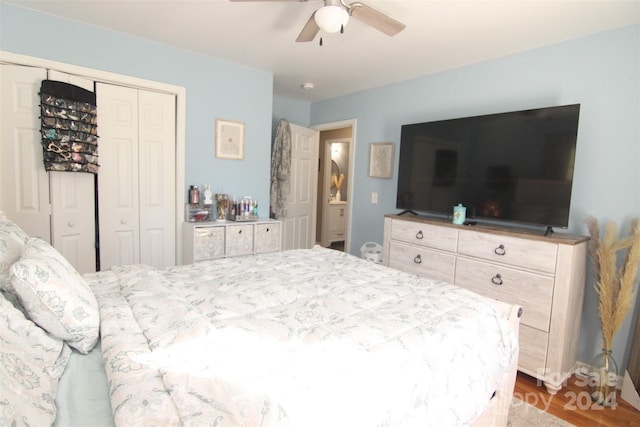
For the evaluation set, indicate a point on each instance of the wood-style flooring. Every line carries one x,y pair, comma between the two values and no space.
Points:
573,404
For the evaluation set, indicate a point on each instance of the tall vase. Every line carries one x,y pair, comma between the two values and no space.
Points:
603,379
338,196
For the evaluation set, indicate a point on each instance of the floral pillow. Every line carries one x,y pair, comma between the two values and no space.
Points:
12,228
11,248
12,243
31,363
7,225
55,296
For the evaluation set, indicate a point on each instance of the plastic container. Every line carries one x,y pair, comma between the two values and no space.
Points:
371,251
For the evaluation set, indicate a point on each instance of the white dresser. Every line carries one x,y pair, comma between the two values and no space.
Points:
543,274
219,239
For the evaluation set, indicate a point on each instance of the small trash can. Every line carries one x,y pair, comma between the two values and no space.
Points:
371,251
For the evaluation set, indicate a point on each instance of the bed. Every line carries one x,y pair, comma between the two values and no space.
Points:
309,337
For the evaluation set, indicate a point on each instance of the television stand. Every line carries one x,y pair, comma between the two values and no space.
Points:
544,275
548,231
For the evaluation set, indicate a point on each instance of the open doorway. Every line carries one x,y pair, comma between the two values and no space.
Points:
335,172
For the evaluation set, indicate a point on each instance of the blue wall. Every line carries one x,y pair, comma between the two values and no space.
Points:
296,111
215,89
601,72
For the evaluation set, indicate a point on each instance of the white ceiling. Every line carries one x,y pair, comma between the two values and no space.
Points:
440,34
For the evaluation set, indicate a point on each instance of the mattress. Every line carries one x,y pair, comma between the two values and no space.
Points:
307,338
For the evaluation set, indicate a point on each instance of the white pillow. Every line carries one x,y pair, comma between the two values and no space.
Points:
12,242
10,252
11,227
55,296
31,363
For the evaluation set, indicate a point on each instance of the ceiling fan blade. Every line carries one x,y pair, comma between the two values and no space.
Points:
309,31
375,19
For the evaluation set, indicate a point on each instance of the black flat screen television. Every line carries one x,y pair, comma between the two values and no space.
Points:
513,167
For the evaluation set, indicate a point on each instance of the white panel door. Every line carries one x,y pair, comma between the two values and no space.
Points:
157,171
73,227
73,231
24,184
299,227
137,179
118,209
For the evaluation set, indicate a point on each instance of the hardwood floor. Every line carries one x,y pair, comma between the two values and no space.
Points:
573,404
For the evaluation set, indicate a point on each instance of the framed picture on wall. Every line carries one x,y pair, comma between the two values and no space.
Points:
229,139
381,160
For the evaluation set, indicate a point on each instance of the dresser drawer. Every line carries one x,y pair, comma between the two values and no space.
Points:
425,235
208,243
532,291
532,254
422,262
532,358
267,237
239,240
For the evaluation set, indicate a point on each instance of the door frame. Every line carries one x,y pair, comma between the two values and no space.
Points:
122,79
352,149
326,189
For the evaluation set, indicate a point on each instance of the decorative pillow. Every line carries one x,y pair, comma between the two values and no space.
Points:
12,228
31,363
10,251
55,296
12,242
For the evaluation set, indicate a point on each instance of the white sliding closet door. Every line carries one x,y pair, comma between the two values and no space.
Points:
24,184
57,207
136,182
157,178
73,227
118,175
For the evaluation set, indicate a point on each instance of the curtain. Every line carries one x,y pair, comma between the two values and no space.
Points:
280,170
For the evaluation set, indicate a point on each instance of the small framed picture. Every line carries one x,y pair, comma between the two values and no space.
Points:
381,160
229,139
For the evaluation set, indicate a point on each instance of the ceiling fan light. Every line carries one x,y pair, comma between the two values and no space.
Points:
331,18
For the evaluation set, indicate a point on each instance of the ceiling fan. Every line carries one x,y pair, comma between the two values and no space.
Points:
334,15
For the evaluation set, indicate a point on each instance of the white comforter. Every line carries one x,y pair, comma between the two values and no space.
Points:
299,338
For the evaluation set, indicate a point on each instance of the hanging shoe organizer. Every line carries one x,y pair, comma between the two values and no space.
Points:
69,127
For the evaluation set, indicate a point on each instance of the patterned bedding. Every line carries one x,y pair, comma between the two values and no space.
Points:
297,338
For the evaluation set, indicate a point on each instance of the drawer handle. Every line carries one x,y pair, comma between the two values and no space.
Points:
239,231
267,229
419,236
500,250
418,259
497,279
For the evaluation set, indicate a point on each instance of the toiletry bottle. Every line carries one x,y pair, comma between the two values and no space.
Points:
194,195
459,214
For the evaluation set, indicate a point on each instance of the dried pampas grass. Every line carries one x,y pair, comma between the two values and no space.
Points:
337,181
615,286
